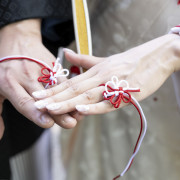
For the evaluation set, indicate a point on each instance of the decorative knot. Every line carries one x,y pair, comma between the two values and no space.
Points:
50,78
117,91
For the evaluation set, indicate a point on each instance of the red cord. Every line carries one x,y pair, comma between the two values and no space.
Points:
179,2
45,78
116,102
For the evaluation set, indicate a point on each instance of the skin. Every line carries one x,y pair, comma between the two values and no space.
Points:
146,67
19,77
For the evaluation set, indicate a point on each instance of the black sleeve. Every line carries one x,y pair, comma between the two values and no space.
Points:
15,10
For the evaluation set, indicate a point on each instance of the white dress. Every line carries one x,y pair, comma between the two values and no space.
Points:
100,146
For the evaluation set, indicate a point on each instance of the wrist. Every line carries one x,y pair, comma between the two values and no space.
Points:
25,28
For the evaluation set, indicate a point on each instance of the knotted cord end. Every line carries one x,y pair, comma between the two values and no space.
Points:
118,93
51,77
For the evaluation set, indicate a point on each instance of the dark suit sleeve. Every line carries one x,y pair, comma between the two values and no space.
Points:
15,10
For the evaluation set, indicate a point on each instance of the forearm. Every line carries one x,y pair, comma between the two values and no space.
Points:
27,29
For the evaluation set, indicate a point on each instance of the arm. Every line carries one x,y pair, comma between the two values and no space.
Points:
146,66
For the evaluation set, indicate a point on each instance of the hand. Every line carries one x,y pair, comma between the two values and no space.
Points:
19,77
145,67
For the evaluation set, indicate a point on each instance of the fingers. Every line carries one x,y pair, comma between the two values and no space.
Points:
69,93
98,108
32,86
24,103
65,121
84,61
88,97
63,86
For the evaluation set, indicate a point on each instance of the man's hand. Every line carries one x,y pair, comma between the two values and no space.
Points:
19,77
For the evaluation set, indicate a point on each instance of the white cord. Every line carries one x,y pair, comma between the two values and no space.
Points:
116,84
57,70
16,56
141,139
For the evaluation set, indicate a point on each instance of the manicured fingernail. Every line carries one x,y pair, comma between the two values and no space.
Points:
82,108
69,51
40,94
41,104
45,119
53,106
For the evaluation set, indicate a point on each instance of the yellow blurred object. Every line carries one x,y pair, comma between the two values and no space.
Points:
82,27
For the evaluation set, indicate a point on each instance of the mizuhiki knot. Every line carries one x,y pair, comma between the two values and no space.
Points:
51,77
117,91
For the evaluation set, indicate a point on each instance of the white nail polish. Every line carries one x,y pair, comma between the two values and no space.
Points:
45,119
53,106
41,104
82,108
69,51
40,94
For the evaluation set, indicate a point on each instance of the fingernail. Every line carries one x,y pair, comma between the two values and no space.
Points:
82,108
69,120
45,119
40,94
69,51
53,106
41,104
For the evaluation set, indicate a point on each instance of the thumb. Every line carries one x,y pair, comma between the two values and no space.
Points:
1,120
84,61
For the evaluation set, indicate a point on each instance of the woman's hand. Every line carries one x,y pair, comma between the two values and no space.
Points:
145,67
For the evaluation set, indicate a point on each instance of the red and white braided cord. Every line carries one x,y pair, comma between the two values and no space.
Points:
116,95
49,78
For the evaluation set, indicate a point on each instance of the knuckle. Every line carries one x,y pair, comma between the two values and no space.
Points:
24,100
68,84
88,95
51,91
75,89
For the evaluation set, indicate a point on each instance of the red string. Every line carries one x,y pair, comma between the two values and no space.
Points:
179,2
45,78
116,102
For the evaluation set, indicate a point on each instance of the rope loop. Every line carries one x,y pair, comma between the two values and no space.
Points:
50,78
